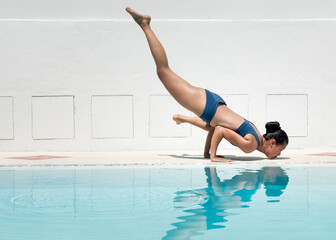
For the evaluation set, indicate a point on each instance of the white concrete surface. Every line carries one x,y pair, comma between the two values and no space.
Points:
89,49
186,157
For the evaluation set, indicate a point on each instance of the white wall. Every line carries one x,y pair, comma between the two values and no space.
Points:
78,75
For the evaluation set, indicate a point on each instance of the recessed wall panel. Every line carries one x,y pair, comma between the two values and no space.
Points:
291,111
162,109
112,116
6,119
53,117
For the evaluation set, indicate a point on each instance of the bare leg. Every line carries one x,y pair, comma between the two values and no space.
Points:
190,97
196,121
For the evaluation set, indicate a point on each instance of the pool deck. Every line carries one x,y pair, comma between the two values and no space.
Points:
185,157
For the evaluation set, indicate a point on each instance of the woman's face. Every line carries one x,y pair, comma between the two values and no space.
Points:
273,150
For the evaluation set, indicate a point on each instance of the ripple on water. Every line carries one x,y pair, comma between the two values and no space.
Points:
98,203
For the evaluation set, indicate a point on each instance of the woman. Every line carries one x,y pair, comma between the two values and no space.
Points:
274,135
214,115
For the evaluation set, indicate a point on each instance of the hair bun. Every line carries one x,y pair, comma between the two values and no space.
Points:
272,127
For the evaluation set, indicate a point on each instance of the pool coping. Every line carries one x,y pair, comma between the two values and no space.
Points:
161,158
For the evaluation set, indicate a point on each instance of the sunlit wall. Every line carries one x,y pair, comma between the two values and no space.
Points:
78,75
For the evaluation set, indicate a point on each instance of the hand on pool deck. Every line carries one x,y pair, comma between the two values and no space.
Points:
220,159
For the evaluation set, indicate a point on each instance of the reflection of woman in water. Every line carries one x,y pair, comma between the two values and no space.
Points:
220,196
213,114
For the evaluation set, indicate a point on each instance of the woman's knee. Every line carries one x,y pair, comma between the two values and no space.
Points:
163,72
220,130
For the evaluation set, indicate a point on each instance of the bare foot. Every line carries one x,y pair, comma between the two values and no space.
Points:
142,20
177,118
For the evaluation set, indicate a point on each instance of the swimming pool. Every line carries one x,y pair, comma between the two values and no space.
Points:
183,202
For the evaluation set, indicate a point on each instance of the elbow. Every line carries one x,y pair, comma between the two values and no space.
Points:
248,149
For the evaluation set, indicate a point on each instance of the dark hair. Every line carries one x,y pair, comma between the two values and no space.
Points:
278,182
274,131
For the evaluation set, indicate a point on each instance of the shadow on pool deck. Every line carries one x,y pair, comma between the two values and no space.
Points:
232,157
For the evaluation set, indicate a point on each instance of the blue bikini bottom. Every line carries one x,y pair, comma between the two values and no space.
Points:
212,101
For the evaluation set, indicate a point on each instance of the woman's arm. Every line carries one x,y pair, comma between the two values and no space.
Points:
246,145
208,143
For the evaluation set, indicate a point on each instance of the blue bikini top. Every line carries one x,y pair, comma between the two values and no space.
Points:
247,128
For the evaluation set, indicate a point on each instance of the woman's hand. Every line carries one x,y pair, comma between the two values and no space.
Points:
217,137
220,159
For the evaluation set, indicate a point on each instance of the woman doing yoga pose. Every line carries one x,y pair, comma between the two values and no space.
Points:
214,115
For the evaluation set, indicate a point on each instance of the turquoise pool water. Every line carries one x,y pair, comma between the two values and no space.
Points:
223,202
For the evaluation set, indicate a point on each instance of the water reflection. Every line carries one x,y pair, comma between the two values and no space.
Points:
220,196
